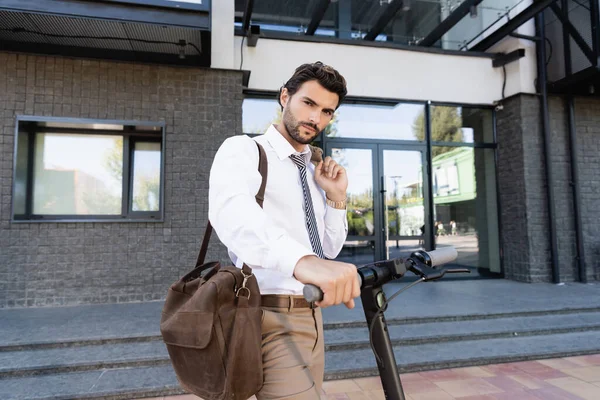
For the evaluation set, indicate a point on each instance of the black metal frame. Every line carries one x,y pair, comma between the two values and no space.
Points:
524,16
130,136
247,15
317,16
384,18
449,22
567,26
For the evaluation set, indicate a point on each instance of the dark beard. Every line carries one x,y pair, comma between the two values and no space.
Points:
292,126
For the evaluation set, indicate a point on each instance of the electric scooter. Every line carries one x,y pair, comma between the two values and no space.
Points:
372,277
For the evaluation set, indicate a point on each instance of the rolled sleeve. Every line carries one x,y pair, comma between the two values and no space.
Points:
285,254
336,231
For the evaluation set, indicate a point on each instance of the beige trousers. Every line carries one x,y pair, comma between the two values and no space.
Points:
293,354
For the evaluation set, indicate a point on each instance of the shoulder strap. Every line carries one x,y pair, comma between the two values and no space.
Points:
263,168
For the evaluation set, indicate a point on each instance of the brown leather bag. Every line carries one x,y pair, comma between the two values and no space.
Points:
211,325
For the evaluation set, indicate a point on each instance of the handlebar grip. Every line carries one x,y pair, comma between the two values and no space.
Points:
314,293
442,256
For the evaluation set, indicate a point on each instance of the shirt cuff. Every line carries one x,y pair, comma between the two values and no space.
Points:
334,217
285,255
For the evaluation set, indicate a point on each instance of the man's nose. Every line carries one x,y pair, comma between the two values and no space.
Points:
315,117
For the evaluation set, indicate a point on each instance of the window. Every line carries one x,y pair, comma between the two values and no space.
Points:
88,170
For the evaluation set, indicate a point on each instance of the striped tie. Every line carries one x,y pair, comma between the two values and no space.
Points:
309,212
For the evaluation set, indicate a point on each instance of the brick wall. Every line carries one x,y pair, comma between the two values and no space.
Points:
522,187
72,263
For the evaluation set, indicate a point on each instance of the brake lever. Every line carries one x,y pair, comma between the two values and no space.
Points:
428,273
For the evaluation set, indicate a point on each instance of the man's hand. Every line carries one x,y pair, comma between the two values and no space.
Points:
337,280
332,178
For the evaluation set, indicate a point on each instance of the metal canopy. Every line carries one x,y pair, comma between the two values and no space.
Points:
317,16
458,14
384,18
156,31
509,27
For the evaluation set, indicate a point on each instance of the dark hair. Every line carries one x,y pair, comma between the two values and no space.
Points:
326,75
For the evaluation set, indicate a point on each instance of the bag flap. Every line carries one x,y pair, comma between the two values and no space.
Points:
188,329
190,323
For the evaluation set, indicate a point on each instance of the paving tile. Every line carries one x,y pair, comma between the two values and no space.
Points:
546,373
587,374
554,394
413,376
370,383
473,372
437,395
532,366
183,397
529,381
499,369
419,386
376,394
358,395
441,375
559,363
341,386
468,387
593,359
336,396
506,384
518,395
577,387
479,397
585,361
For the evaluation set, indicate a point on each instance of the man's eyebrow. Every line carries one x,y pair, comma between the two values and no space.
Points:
315,103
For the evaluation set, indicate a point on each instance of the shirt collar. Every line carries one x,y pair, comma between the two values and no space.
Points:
282,147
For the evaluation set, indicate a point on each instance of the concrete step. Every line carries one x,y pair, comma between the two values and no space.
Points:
160,380
415,333
106,384
82,358
71,356
464,353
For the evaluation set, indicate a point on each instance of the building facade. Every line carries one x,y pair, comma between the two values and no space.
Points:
453,134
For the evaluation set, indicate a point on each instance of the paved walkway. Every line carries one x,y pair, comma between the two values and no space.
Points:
573,378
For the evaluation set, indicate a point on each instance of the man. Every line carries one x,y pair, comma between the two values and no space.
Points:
286,243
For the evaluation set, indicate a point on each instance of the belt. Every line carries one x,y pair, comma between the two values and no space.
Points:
285,301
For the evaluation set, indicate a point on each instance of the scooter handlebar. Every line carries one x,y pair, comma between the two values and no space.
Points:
434,258
313,293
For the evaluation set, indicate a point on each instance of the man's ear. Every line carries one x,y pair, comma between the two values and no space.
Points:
284,97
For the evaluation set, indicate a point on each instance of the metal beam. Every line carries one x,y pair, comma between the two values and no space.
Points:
344,19
384,18
574,33
448,23
247,15
511,25
317,16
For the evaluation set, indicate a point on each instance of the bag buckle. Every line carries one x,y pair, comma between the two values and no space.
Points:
246,277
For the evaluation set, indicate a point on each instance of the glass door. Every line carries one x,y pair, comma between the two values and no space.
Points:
359,160
403,210
386,200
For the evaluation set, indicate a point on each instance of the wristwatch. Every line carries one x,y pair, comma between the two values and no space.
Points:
340,205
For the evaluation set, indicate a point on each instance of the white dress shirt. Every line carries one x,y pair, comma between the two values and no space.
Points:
270,240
